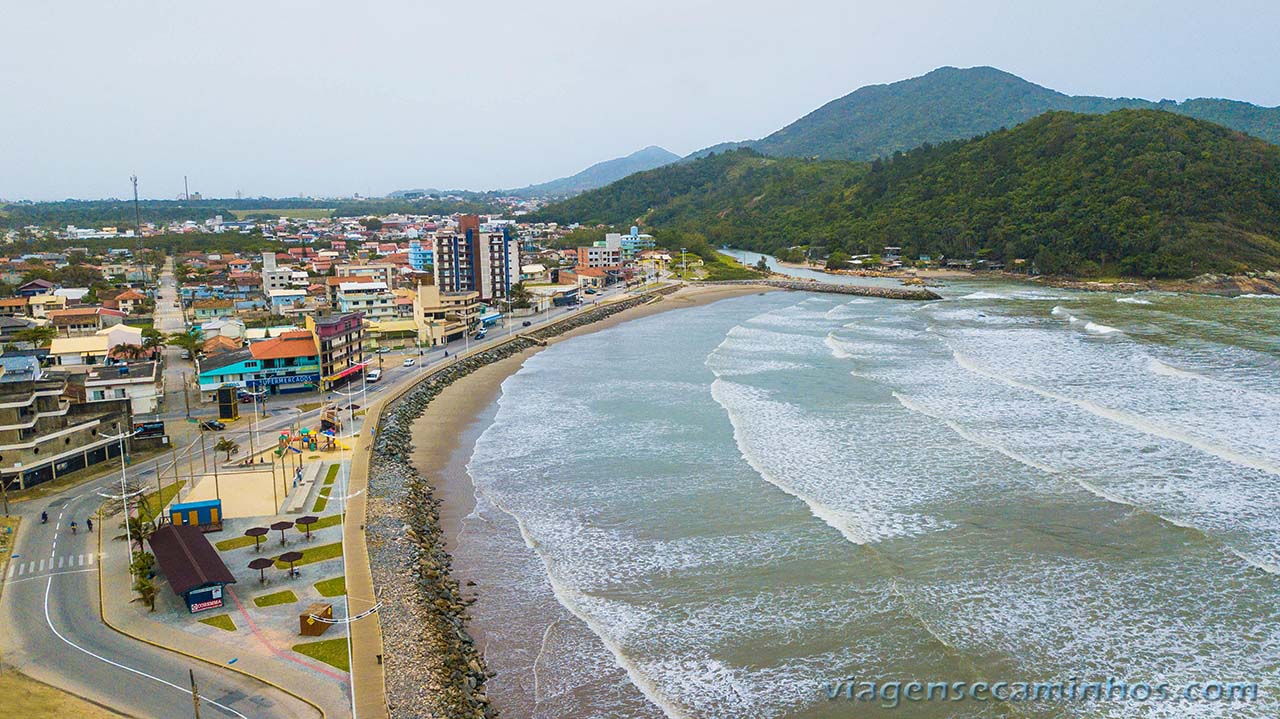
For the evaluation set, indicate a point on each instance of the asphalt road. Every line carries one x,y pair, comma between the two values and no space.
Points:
50,627
49,622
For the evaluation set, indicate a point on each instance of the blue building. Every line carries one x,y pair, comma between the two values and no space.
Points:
420,256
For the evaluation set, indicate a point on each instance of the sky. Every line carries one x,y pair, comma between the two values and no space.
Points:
324,98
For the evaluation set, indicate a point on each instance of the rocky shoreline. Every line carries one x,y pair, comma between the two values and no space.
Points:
889,293
432,667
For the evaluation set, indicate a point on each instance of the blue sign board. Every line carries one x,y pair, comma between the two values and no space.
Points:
311,378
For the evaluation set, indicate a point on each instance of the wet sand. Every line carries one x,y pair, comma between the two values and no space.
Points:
443,437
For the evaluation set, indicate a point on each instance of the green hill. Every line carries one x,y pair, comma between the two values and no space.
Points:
1135,192
954,104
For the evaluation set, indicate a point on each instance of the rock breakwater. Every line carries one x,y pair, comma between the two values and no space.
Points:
432,667
889,293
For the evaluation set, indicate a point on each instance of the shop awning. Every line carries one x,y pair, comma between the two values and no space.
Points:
346,372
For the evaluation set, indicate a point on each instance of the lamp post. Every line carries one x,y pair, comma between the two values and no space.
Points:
124,492
684,266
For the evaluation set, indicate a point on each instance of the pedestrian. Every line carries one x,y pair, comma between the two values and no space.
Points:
89,523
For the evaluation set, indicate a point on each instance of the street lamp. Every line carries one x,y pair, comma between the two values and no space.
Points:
684,267
124,492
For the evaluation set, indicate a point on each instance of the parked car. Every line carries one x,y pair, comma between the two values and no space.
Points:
212,425
383,350
409,362
186,354
373,375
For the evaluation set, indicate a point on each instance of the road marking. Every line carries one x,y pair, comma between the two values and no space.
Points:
53,574
49,621
42,565
11,570
59,563
91,556
80,561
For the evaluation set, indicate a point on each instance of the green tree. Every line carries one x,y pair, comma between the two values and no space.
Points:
838,260
189,341
230,446
519,296
147,591
36,336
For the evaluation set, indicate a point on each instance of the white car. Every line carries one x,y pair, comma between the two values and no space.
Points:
373,375
409,361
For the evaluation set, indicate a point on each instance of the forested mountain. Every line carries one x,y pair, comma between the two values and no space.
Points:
1135,192
954,104
600,174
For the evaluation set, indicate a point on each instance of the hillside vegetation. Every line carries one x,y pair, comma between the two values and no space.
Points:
1134,192
960,103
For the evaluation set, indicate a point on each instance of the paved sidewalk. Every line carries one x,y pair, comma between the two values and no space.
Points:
324,687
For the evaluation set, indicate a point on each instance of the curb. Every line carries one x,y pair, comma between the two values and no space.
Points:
102,614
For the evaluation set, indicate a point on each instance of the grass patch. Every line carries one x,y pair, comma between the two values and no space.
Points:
297,213
22,696
221,621
314,554
330,651
323,500
331,475
329,521
308,406
153,502
227,545
271,600
335,587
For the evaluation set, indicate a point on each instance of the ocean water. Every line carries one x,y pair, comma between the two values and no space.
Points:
716,511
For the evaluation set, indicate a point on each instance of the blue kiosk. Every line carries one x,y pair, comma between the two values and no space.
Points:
206,515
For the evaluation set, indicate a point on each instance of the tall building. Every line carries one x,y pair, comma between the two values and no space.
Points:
340,339
472,259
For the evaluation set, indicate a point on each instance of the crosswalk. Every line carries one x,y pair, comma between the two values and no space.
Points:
51,565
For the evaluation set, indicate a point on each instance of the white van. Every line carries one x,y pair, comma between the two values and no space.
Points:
373,375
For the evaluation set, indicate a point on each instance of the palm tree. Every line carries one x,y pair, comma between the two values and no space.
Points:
129,351
140,528
229,446
189,341
147,592
153,339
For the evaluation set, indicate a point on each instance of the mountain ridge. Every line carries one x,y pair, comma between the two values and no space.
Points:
950,103
1138,192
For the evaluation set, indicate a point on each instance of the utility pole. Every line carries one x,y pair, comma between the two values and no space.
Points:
186,191
4,489
195,693
185,399
204,457
137,213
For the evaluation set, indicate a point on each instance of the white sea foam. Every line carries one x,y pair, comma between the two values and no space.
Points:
984,295
1253,296
1100,329
1132,301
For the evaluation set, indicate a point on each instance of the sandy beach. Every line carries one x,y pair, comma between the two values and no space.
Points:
447,430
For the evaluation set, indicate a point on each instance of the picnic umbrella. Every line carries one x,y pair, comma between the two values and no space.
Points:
257,533
280,527
290,557
307,521
261,564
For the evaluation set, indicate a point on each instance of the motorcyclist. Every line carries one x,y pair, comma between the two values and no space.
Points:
44,517
89,523
73,526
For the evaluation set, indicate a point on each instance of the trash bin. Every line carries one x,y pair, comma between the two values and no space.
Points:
308,626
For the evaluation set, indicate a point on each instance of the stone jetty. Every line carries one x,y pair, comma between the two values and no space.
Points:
432,667
888,293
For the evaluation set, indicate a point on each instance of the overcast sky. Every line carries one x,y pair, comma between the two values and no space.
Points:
334,98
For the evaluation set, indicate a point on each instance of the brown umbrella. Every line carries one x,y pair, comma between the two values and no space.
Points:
307,521
291,557
257,533
261,564
280,527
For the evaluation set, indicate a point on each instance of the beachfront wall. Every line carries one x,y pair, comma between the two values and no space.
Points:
888,293
422,611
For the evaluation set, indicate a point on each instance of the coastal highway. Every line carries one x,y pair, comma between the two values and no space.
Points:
50,626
